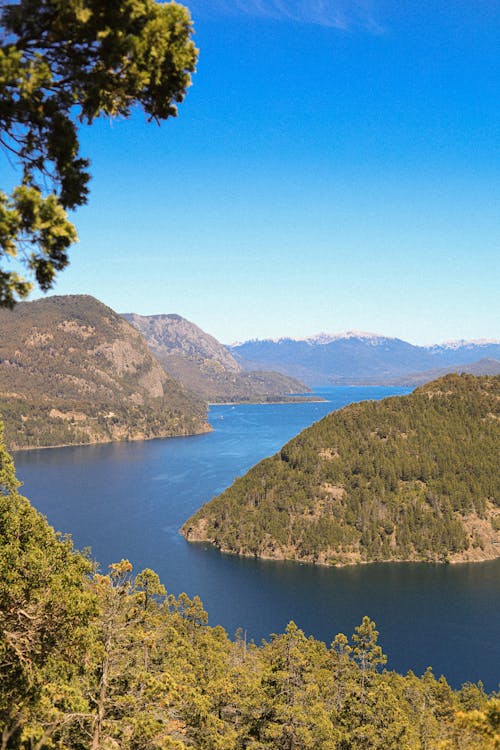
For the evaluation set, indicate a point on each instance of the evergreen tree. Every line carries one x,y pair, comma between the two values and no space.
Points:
62,63
45,609
112,662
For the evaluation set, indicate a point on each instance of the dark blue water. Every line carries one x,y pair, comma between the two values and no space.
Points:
129,500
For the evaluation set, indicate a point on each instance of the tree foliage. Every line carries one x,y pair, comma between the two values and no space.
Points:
113,662
62,64
406,478
45,610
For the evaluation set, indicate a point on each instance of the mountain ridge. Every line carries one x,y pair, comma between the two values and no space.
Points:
72,371
358,358
324,338
485,366
205,366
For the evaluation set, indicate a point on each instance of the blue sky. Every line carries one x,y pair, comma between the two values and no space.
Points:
336,165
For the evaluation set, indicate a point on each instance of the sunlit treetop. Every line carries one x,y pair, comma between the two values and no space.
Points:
62,63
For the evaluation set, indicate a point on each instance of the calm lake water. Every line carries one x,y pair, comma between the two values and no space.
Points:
129,500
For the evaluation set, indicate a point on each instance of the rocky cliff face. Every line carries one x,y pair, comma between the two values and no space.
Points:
204,365
73,371
169,335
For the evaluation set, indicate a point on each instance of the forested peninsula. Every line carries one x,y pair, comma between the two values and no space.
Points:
108,660
407,478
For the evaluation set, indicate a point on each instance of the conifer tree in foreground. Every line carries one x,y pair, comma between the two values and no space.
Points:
112,662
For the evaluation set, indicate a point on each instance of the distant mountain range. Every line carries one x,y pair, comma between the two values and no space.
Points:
205,366
366,358
73,371
484,366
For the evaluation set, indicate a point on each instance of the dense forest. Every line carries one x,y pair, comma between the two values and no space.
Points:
113,662
407,478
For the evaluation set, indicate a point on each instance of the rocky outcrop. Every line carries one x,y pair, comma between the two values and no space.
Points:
72,371
205,366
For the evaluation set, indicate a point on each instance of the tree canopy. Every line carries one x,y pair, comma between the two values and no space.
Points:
63,64
407,478
93,661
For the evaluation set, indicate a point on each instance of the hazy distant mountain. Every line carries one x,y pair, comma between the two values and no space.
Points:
73,371
204,365
484,366
357,357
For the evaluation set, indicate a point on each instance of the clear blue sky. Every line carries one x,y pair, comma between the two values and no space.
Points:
336,165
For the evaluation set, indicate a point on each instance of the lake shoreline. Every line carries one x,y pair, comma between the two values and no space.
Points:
269,403
30,448
128,500
345,564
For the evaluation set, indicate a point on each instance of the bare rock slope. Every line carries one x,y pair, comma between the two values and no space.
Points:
73,371
205,366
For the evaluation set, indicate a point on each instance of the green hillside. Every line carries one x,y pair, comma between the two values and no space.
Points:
113,662
73,371
408,478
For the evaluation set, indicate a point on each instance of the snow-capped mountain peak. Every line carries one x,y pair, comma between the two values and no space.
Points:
328,338
465,344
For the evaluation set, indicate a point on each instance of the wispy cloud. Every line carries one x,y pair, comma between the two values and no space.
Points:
338,14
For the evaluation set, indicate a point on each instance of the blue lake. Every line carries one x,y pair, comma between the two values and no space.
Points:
128,500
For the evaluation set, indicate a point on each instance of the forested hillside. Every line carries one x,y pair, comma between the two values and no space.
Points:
109,661
205,366
73,371
408,478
